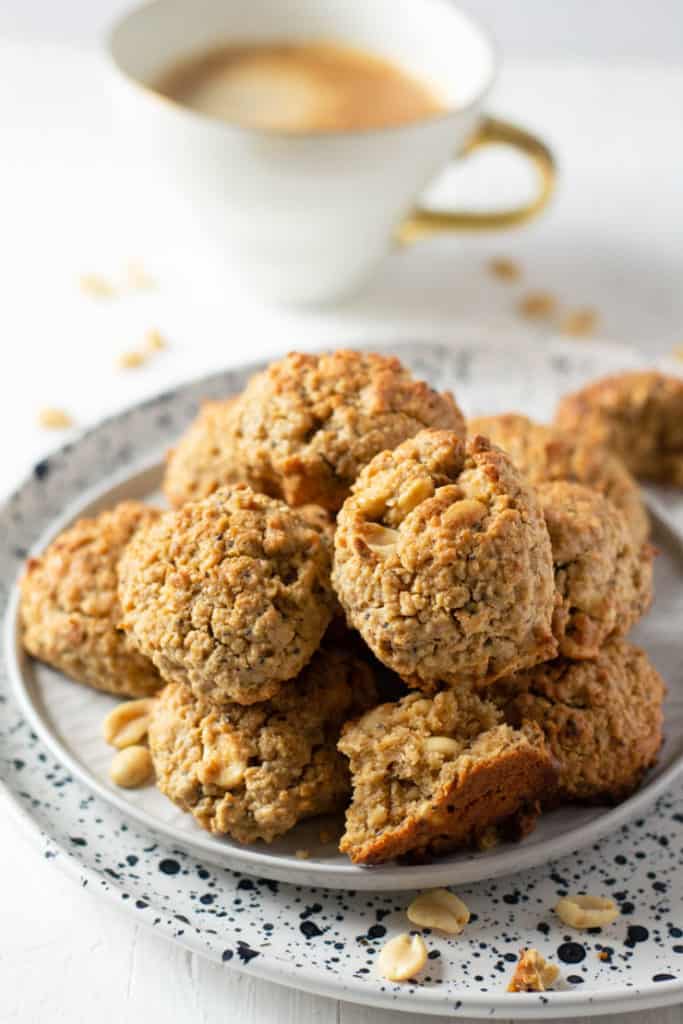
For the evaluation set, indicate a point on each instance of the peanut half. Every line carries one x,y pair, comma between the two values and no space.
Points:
439,909
131,767
127,723
402,958
587,911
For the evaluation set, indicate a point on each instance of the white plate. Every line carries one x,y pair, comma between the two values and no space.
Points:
54,740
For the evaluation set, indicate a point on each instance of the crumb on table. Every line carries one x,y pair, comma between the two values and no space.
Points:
535,305
96,286
131,360
52,418
579,322
505,269
532,973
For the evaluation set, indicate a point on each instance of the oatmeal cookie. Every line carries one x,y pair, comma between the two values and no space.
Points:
548,453
308,424
230,595
203,460
638,416
70,612
602,718
603,581
253,772
431,774
443,562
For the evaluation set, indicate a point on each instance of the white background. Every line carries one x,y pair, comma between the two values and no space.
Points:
602,80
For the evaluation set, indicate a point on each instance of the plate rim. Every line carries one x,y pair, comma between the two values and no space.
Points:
525,1006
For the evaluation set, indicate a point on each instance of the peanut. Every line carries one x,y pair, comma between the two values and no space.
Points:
131,767
587,911
439,909
127,723
402,957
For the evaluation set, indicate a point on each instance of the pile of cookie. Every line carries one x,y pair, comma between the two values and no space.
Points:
359,602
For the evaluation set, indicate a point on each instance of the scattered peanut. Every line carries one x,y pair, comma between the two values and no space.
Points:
155,341
439,909
54,419
127,723
579,322
402,958
587,911
131,767
532,973
131,360
96,286
505,269
537,305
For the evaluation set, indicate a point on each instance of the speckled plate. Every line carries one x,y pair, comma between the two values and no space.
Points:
138,850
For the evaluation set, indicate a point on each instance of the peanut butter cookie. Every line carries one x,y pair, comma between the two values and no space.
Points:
308,424
548,453
203,460
230,595
603,580
433,774
602,719
638,416
70,612
253,772
443,562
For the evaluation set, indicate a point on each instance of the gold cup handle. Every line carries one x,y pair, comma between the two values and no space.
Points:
423,222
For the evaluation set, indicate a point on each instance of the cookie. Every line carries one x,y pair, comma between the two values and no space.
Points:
602,719
230,595
603,581
433,774
638,416
70,614
547,453
308,424
443,562
203,459
254,772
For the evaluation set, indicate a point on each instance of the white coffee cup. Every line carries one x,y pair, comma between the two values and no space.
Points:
307,218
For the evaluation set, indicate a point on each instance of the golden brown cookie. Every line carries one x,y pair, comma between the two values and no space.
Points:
254,772
308,424
203,459
433,774
547,453
443,563
602,719
603,581
638,416
70,613
230,595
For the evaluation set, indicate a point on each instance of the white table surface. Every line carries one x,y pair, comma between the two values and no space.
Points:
613,240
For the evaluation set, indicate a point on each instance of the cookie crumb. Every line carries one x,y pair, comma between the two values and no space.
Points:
54,419
532,973
137,278
536,305
302,854
155,341
131,360
603,955
325,836
505,269
580,323
96,286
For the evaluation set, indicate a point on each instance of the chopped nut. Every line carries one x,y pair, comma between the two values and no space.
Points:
537,305
54,419
402,958
580,322
462,514
131,360
96,286
224,766
505,269
532,973
439,909
443,745
155,341
380,539
413,495
587,911
303,854
138,279
127,723
131,767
